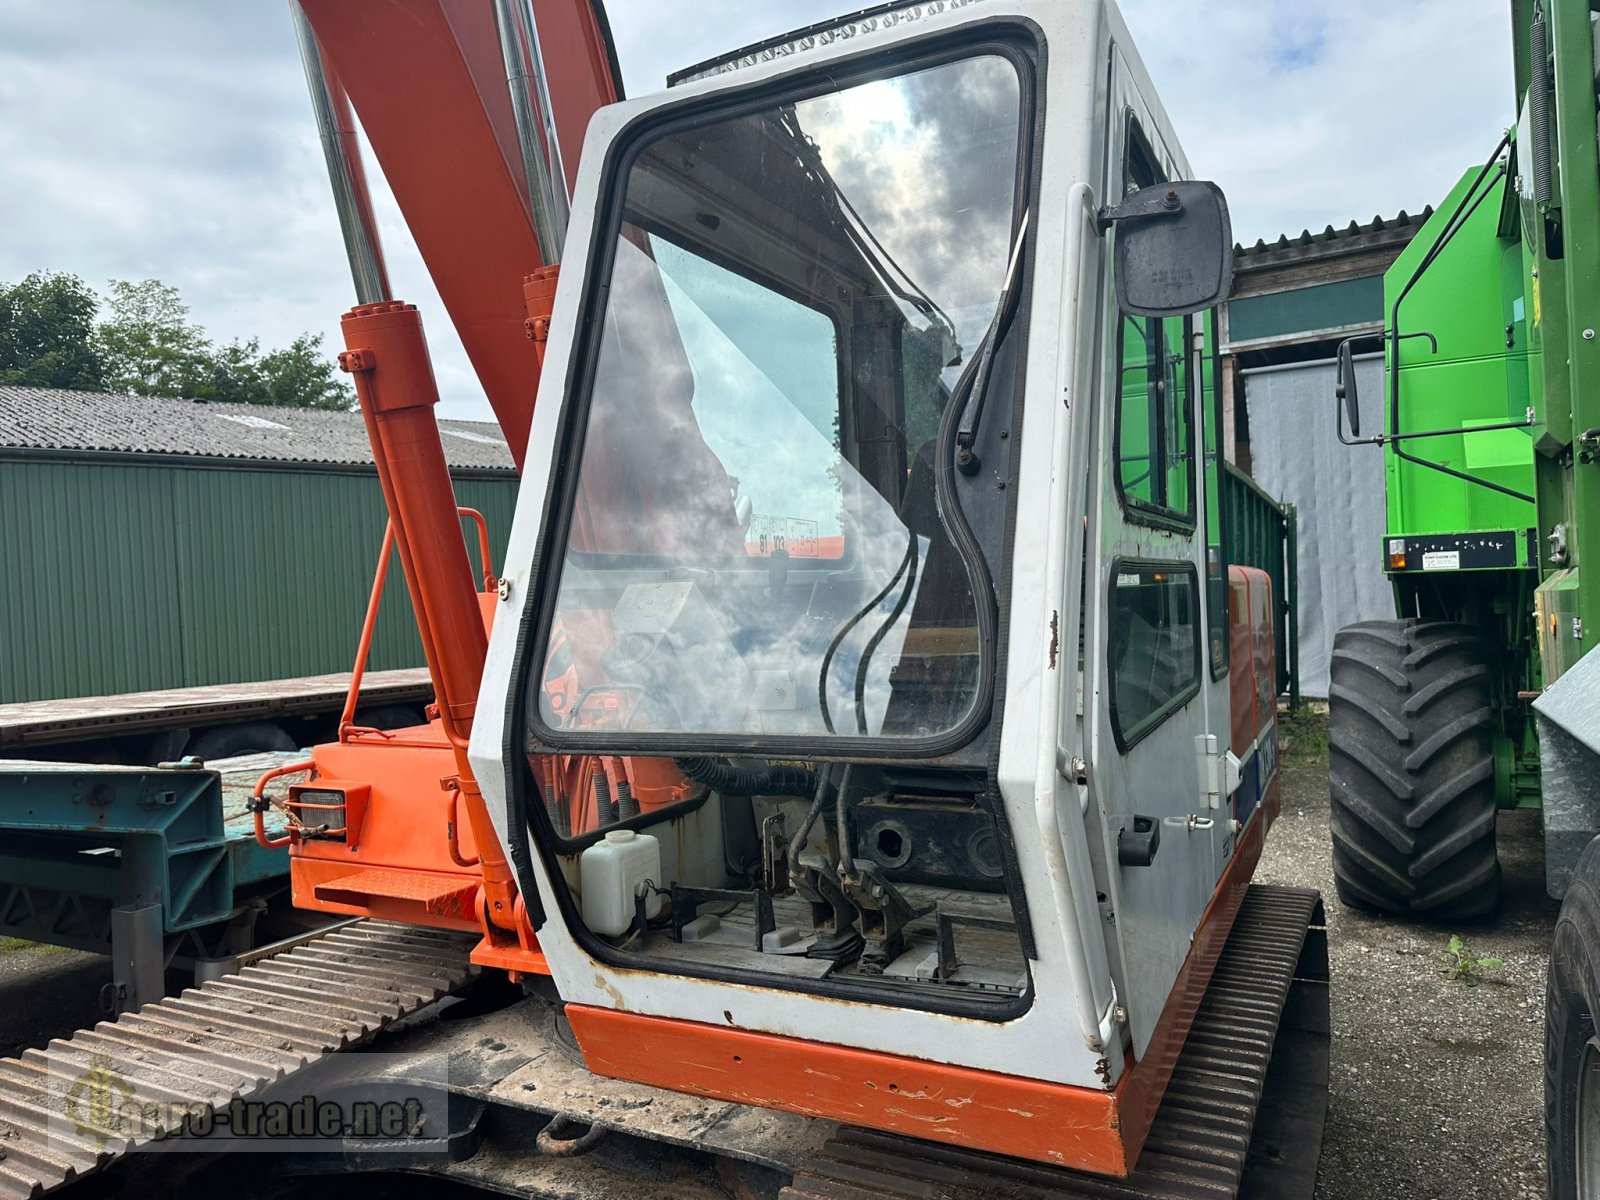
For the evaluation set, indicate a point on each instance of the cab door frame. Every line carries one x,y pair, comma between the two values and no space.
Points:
1145,782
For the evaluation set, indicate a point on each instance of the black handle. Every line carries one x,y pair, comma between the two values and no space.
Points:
1137,844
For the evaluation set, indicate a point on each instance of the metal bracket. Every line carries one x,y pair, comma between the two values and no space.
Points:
1167,205
882,915
1137,843
138,958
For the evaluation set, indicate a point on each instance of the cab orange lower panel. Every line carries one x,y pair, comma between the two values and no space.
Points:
1025,1118
1084,1128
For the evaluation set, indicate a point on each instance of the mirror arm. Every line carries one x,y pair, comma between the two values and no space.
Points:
1168,205
1433,342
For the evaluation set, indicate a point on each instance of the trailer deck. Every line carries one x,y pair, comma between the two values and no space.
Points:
149,865
49,722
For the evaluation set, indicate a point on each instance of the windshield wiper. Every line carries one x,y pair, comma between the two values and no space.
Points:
972,413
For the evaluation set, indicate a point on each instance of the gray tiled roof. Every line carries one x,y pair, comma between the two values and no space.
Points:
50,419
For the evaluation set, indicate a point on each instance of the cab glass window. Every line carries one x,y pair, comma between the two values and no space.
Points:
1216,516
1155,645
1155,441
793,295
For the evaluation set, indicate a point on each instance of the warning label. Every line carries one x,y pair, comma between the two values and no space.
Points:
793,536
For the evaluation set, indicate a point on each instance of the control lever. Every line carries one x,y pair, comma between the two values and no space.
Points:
883,915
833,916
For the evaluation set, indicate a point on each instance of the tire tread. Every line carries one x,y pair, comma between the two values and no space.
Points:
1411,770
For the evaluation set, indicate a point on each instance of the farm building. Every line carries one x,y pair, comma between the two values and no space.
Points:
1294,300
155,543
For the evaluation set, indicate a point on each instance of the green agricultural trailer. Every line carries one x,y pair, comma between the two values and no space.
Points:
1483,692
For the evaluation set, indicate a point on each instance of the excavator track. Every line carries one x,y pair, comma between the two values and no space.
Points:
1201,1140
228,1039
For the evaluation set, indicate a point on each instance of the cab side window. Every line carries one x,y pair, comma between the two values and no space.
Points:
1154,433
1156,633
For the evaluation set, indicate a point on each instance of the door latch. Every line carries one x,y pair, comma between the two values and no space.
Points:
1137,843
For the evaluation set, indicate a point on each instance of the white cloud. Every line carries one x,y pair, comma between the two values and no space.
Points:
1317,113
174,139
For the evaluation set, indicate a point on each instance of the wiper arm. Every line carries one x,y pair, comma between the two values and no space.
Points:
972,414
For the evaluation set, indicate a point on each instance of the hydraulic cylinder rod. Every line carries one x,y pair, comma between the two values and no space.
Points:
337,127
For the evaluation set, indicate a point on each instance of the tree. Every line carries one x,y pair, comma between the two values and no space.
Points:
47,336
153,349
303,376
146,344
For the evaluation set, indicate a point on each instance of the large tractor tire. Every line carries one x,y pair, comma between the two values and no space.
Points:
1412,770
1571,1042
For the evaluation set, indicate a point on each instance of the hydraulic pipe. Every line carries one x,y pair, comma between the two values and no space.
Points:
534,115
336,125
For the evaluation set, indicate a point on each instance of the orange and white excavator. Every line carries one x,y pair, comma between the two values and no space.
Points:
859,761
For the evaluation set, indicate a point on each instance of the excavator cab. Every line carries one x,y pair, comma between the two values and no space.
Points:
754,562
870,725
861,711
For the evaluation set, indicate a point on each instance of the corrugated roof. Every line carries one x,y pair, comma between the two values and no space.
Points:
1401,227
52,419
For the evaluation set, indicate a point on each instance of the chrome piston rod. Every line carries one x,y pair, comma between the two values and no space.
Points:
536,125
336,125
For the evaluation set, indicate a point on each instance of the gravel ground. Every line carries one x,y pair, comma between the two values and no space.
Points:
46,992
1437,1087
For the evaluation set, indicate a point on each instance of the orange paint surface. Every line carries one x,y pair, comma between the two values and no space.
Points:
1084,1128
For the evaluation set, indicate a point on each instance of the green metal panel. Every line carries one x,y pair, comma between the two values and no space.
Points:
151,574
1260,532
1322,306
1471,301
1573,351
89,585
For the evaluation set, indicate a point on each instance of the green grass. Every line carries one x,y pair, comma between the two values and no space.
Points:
1303,736
11,945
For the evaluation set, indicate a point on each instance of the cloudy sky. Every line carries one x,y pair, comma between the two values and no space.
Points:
173,138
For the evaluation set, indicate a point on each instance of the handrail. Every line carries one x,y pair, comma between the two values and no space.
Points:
1469,203
258,803
485,559
369,623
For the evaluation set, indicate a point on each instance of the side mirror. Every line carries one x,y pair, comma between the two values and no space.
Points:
1174,251
1344,388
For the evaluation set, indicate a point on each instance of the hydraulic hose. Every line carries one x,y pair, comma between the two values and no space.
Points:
844,630
909,566
798,843
749,781
841,816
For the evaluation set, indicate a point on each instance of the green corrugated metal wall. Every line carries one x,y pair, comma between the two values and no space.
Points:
130,576
1260,532
1337,305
